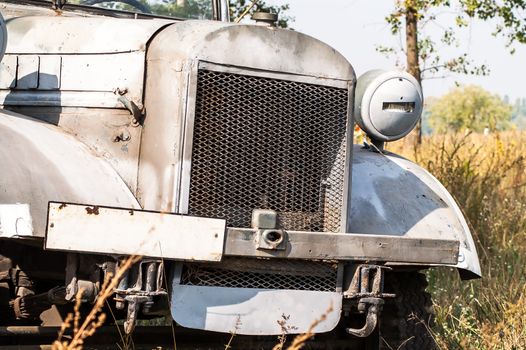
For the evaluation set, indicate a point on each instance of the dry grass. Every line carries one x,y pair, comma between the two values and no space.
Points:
300,340
487,177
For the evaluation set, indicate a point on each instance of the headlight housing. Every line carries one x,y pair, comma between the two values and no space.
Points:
388,104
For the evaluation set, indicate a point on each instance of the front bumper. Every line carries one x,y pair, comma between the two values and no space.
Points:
259,310
124,231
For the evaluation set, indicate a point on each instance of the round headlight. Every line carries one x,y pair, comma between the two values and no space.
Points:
388,104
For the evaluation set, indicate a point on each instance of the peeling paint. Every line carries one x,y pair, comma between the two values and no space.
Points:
92,210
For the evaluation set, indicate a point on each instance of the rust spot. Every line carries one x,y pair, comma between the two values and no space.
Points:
216,235
92,210
52,225
131,212
62,206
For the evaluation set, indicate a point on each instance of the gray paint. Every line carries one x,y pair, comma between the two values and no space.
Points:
240,311
376,87
252,311
393,196
346,246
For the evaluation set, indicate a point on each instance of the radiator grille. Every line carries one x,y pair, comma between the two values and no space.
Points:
252,273
269,144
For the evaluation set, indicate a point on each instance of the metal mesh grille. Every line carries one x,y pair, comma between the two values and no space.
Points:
251,273
269,144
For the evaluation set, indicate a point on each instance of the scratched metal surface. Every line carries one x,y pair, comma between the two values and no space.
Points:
393,196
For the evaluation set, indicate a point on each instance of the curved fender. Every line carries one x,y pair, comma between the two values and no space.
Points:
393,196
40,163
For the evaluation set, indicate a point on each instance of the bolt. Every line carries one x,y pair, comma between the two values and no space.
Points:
120,91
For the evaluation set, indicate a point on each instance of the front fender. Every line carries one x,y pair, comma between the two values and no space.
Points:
393,196
39,163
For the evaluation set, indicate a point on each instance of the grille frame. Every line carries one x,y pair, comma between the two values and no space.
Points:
274,274
183,199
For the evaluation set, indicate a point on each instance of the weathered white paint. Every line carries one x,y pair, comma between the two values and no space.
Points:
394,196
173,57
42,163
85,228
15,221
253,311
74,35
8,68
91,56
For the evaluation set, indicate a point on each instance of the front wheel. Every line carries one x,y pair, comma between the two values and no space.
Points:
406,319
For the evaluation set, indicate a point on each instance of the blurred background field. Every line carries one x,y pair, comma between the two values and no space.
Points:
487,177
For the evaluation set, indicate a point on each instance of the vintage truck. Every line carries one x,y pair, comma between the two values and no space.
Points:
223,154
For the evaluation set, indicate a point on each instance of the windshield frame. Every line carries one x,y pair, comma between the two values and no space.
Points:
219,9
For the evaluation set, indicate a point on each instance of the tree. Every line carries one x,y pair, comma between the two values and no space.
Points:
195,9
470,107
192,9
519,113
423,57
510,15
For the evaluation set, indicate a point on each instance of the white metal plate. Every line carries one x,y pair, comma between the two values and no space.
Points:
15,220
49,74
8,68
104,230
252,311
27,72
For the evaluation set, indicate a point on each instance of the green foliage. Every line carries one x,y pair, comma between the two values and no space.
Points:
430,48
200,9
509,15
237,7
196,9
518,116
191,9
469,108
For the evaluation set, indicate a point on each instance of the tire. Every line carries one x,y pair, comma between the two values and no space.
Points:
406,320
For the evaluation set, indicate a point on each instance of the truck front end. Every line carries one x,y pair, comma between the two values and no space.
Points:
223,154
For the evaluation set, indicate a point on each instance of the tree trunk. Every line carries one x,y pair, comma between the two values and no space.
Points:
413,66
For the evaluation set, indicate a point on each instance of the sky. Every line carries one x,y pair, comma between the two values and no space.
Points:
356,27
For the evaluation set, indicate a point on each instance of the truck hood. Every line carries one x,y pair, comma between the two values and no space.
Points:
249,46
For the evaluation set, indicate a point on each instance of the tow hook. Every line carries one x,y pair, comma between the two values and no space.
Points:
365,286
139,288
374,308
